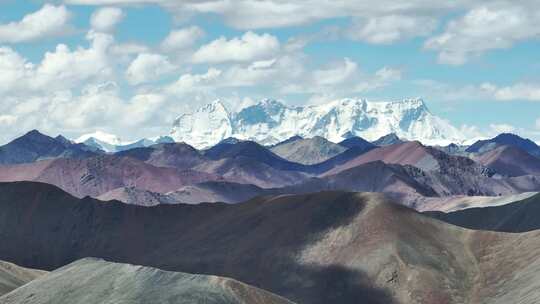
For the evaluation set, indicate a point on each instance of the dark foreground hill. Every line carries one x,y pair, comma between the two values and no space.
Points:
93,281
519,216
327,247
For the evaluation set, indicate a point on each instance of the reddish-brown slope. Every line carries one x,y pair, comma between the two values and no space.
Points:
97,175
510,161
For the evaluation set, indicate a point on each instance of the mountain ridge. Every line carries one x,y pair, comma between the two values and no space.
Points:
270,121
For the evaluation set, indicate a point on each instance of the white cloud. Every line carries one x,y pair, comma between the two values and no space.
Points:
382,77
13,69
189,82
518,91
65,68
502,128
390,28
148,67
537,123
106,18
340,79
60,69
253,14
249,47
181,39
253,74
49,21
494,25
7,120
336,74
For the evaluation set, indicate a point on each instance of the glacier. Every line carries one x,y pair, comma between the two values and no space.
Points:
271,121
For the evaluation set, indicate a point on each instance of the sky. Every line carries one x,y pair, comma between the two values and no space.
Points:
130,67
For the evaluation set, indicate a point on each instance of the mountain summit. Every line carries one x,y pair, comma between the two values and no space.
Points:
270,121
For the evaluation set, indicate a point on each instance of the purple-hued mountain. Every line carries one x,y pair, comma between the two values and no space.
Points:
97,175
505,139
510,161
308,151
356,142
34,146
386,140
251,150
176,155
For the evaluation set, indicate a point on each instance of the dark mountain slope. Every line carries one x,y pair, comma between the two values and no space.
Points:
177,155
35,146
308,151
328,247
505,139
97,175
510,161
387,140
520,216
251,150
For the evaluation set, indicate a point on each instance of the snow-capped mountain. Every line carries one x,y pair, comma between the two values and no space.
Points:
270,121
112,143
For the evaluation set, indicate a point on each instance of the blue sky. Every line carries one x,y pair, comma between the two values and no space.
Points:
77,66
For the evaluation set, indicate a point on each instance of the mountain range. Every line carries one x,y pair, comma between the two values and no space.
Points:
236,170
112,143
303,220
269,122
323,247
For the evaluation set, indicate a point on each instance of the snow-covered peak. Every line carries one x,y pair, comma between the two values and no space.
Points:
205,127
112,143
271,121
101,136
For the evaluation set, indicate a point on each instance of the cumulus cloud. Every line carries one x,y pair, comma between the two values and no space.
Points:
49,21
148,67
390,28
249,47
59,69
66,68
181,39
7,120
342,78
502,128
190,82
518,91
106,18
336,74
489,26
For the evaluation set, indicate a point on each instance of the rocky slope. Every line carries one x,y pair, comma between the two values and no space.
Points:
328,247
415,154
93,281
13,276
460,202
510,161
97,175
387,140
505,139
207,192
520,216
308,151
